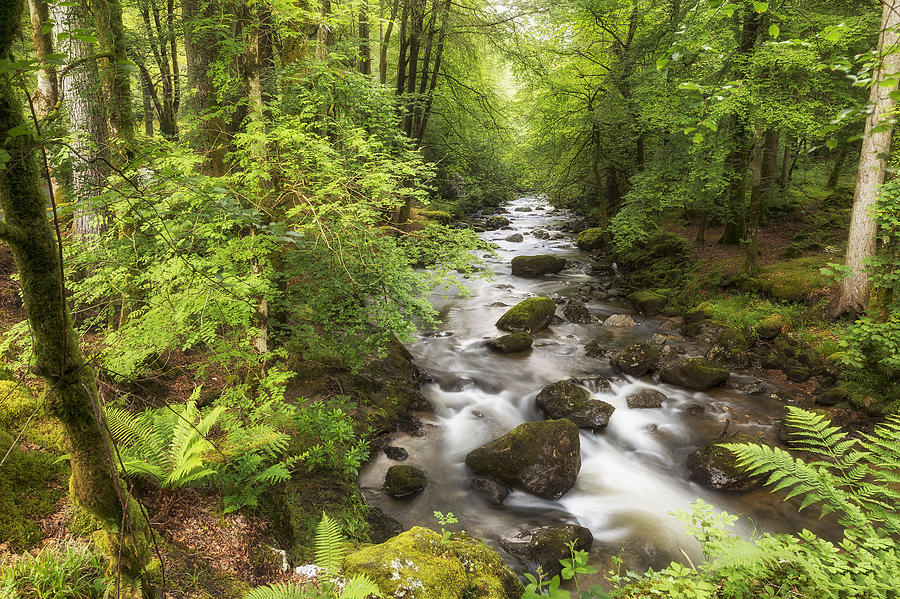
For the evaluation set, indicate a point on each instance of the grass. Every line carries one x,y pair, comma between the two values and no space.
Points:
67,571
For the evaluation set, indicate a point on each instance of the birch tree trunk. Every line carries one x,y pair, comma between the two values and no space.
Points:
86,116
853,293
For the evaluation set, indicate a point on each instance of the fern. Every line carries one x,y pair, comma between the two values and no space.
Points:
283,590
329,544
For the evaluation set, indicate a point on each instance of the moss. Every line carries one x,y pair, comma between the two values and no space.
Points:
420,564
401,481
31,485
648,302
16,405
716,467
529,316
695,373
512,343
797,280
771,326
592,239
436,215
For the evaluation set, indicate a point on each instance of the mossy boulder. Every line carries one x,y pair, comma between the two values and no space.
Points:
523,209
420,564
770,327
565,399
535,266
729,349
637,359
401,481
543,547
577,312
436,215
698,314
528,316
716,467
492,223
695,373
647,398
648,303
592,239
797,280
542,458
512,343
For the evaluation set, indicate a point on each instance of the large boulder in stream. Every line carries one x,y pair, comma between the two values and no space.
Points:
542,458
565,399
637,359
401,481
716,467
528,316
535,266
592,239
492,223
648,303
512,343
421,564
647,398
543,547
695,373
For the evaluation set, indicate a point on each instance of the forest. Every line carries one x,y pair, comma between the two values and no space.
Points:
465,299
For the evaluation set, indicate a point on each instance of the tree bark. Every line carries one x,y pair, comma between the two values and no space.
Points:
72,386
46,95
385,41
87,121
853,292
148,108
785,166
835,175
116,78
365,50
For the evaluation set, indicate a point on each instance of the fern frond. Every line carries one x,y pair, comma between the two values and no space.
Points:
282,590
329,544
138,443
360,587
189,445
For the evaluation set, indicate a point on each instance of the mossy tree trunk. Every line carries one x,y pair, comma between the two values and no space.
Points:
72,385
114,71
47,93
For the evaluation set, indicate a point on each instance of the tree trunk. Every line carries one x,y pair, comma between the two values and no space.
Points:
46,95
401,60
365,51
86,114
435,72
785,166
835,175
852,295
385,41
113,67
324,34
148,108
751,263
72,386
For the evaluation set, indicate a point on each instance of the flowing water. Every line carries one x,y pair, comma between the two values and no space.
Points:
633,474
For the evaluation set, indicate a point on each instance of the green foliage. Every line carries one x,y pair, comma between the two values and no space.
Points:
327,439
330,549
572,566
445,520
66,571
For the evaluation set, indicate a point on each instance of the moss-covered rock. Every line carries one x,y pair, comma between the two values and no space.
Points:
715,467
637,359
565,399
401,481
535,266
647,398
420,564
577,312
729,349
592,239
542,458
493,223
512,343
528,316
648,303
698,314
543,547
436,215
771,327
797,280
695,373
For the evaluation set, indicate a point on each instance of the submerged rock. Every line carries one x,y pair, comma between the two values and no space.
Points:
381,526
497,492
648,302
398,454
619,320
695,373
420,564
535,266
565,399
637,359
401,481
591,239
648,398
543,547
529,316
512,343
515,238
715,467
542,458
492,223
577,312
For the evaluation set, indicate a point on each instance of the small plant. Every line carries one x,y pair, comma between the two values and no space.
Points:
575,564
55,572
445,520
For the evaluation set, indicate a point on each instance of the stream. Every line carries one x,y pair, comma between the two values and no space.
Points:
633,474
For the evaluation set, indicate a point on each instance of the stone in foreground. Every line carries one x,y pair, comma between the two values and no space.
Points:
648,302
542,458
419,563
565,399
619,320
401,481
695,373
716,468
512,343
543,547
591,239
637,359
535,266
528,316
648,398
577,312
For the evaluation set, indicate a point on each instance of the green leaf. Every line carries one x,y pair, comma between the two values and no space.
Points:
760,7
774,30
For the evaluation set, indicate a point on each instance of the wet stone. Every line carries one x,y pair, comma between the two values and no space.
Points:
402,481
398,454
577,312
648,398
496,492
619,320
515,238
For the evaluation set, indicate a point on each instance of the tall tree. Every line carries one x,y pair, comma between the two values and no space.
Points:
115,73
160,31
71,382
853,293
47,94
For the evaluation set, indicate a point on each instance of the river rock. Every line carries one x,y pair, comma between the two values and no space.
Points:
492,223
540,234
401,481
577,312
595,350
535,266
648,302
591,239
619,320
512,343
543,547
695,373
421,564
565,399
398,454
648,398
515,238
381,526
771,327
542,458
637,359
528,316
523,209
496,492
715,467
